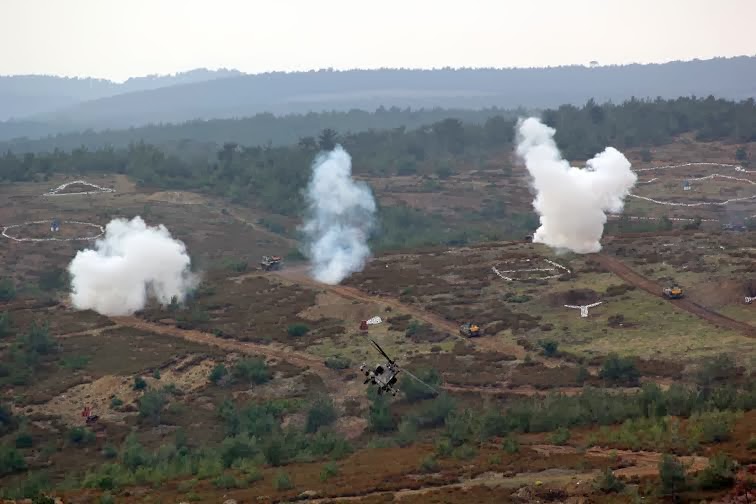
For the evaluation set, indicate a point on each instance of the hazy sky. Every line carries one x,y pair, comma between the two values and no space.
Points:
117,39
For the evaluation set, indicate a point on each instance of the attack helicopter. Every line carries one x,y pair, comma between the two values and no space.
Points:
384,376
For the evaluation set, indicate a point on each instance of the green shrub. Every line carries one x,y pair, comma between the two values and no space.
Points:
5,324
156,374
225,481
151,406
549,347
218,373
7,290
80,436
672,475
139,383
252,371
329,471
338,362
720,473
607,482
321,414
282,481
109,451
465,452
116,403
429,465
461,426
379,416
107,498
415,391
752,443
24,440
297,330
619,370
76,362
510,445
560,436
443,448
10,460
407,433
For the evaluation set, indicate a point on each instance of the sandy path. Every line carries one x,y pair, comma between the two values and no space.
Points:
634,278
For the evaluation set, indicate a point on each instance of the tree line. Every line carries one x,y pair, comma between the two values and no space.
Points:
274,176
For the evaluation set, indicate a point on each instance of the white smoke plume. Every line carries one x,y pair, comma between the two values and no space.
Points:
571,201
341,216
129,264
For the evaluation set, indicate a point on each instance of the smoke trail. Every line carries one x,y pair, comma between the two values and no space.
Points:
341,215
571,201
129,264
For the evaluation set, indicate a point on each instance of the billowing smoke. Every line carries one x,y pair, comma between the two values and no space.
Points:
341,216
571,201
131,263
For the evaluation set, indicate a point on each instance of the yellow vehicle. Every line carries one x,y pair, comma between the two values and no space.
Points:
673,292
469,330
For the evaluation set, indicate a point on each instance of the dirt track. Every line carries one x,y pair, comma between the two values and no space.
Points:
632,277
299,275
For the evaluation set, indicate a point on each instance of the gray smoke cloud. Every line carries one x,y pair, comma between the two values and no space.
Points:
572,202
129,264
340,218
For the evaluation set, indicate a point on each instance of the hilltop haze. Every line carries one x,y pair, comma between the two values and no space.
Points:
55,105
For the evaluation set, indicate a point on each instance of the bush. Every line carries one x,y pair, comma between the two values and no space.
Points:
151,405
720,473
107,498
80,436
321,413
297,330
510,445
252,371
607,482
239,266
282,482
549,347
338,362
329,471
24,440
429,464
415,391
712,426
218,373
10,461
620,370
5,324
560,436
38,339
226,481
109,451
672,475
461,426
116,403
76,362
407,433
139,383
7,290
434,413
379,416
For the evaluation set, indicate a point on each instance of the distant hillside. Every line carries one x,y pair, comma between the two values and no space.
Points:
27,95
302,92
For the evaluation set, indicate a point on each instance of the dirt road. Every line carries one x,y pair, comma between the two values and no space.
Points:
632,277
299,276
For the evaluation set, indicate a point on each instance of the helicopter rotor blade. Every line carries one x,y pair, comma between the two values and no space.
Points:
382,352
419,380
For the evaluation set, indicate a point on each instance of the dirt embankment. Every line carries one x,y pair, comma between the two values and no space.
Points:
632,277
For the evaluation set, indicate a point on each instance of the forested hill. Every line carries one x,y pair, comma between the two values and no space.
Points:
27,95
285,93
